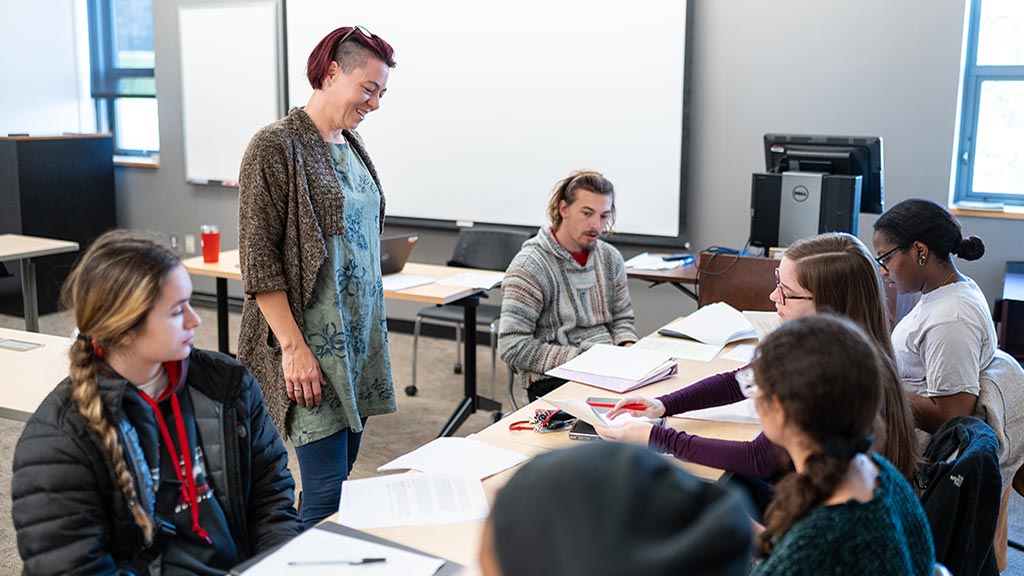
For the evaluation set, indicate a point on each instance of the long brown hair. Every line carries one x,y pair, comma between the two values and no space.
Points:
843,277
111,291
567,188
824,372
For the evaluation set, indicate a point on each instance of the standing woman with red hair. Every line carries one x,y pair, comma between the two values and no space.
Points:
310,216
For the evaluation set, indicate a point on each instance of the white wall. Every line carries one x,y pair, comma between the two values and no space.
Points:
39,63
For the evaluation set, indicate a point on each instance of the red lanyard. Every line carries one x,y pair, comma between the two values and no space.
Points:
188,483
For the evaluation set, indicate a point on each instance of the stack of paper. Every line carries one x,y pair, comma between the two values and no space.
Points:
399,281
742,412
617,368
412,499
647,261
716,323
680,349
460,455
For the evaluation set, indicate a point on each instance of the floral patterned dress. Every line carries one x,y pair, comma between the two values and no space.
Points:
345,326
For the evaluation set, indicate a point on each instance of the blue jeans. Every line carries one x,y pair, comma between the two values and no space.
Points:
324,465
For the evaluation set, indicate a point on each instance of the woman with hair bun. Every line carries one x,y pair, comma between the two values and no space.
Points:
948,338
845,509
152,456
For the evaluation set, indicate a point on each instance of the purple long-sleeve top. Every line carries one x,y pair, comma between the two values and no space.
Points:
759,458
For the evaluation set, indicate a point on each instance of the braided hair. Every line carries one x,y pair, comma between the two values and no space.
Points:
111,291
825,374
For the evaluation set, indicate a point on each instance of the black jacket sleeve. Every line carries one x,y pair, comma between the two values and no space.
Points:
271,505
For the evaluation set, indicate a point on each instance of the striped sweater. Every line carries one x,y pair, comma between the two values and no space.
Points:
552,309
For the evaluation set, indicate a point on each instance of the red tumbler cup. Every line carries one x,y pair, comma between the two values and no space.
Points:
210,239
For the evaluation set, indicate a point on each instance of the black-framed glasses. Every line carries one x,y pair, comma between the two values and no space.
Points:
881,260
361,29
782,293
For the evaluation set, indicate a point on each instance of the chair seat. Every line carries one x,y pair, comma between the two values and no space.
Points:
485,314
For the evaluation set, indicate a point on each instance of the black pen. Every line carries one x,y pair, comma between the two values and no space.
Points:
349,562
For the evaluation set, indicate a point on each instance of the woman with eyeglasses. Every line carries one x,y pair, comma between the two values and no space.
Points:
311,211
948,338
843,509
825,273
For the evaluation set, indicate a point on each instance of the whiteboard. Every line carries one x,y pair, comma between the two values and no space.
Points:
492,103
229,84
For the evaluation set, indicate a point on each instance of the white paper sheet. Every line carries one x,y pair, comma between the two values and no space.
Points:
716,323
399,281
411,500
647,261
741,353
460,455
680,349
579,408
617,361
483,279
742,412
764,322
314,552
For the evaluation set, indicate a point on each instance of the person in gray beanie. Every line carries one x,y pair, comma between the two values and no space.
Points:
612,509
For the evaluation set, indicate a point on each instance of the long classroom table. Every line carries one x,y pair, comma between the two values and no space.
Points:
29,376
461,542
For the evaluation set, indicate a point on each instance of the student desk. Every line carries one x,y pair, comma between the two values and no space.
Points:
469,298
682,277
25,248
461,542
31,375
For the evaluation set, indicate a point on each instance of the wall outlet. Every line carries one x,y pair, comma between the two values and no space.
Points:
190,243
174,242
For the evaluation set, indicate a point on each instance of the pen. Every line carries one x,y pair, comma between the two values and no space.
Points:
626,407
349,562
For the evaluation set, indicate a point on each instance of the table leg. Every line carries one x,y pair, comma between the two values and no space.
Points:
223,337
28,294
471,401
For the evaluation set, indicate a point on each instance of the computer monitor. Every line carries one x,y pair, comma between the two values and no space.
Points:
846,155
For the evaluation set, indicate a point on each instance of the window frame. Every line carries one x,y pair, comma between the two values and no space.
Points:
105,72
974,76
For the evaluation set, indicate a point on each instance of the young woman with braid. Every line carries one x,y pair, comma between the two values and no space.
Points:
151,457
844,510
825,273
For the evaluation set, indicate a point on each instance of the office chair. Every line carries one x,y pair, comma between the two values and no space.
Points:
483,249
742,282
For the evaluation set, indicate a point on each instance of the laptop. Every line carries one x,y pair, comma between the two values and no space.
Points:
394,252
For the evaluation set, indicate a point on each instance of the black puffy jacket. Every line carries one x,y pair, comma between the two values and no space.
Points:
69,512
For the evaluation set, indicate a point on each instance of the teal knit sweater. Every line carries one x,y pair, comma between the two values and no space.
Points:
888,535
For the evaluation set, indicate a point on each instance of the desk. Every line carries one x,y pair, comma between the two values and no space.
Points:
25,248
469,298
31,375
461,542
682,277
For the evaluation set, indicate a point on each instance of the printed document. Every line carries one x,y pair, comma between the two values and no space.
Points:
319,551
741,412
412,499
579,408
716,323
457,455
399,281
483,279
617,368
647,261
680,349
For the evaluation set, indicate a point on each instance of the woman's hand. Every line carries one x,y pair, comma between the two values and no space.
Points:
303,380
653,408
634,432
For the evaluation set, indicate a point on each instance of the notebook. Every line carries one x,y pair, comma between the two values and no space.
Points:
394,252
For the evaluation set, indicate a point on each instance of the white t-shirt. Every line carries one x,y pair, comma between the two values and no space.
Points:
945,342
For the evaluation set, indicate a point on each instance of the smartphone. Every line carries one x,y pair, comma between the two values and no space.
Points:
583,431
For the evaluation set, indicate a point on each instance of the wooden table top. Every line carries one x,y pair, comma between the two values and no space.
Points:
17,246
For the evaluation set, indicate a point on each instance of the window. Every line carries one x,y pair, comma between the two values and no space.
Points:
123,83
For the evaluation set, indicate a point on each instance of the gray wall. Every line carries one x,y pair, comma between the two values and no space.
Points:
873,67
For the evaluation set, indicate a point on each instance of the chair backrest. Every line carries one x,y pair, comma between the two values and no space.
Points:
487,248
743,282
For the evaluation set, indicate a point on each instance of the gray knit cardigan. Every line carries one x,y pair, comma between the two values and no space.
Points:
552,309
289,200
